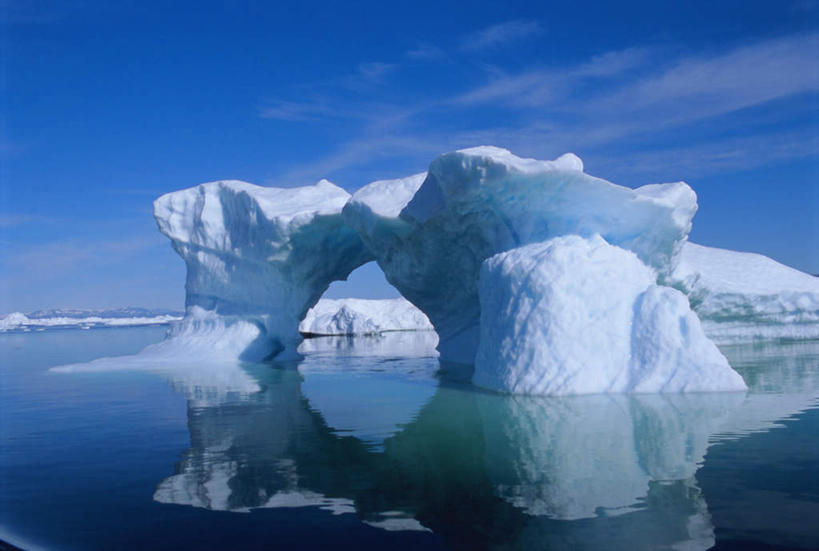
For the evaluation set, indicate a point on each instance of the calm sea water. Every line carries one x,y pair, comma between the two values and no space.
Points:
366,444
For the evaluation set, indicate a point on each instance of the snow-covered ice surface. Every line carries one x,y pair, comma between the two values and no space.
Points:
581,316
742,296
356,316
430,233
258,256
199,358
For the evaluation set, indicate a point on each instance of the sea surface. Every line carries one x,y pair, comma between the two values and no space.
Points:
367,443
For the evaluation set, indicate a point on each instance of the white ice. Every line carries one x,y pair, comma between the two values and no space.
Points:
258,256
581,316
356,316
430,233
743,296
17,321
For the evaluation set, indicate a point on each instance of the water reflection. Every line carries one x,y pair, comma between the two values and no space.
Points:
395,344
582,457
244,453
369,388
478,469
368,428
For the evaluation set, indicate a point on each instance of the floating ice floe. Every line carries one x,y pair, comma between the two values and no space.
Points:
745,296
17,321
356,316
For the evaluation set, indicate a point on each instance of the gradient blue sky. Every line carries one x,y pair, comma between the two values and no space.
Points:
107,105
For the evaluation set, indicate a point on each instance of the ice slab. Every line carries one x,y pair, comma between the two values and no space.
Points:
746,296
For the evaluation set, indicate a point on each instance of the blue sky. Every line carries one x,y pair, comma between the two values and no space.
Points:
108,105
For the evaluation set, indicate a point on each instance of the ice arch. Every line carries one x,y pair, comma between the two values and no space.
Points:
431,232
257,259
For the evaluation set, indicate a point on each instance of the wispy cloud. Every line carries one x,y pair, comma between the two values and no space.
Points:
27,11
36,12
374,71
627,90
88,273
500,34
804,6
707,86
12,220
358,152
636,95
542,86
296,111
367,76
711,156
330,99
53,260
425,52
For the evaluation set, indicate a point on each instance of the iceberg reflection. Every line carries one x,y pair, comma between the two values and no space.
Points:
362,427
370,387
587,456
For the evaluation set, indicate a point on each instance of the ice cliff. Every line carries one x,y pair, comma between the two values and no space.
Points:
257,257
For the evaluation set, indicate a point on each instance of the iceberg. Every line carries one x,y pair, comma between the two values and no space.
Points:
746,296
530,269
257,259
355,316
430,232
15,320
581,316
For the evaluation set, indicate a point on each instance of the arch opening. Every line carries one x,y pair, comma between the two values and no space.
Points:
365,303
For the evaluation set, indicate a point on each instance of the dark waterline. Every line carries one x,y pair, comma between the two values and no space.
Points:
365,445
